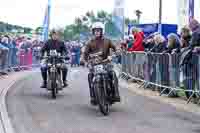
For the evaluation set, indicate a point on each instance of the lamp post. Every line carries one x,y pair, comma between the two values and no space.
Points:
138,14
160,17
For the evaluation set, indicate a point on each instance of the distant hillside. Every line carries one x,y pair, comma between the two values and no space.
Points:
5,27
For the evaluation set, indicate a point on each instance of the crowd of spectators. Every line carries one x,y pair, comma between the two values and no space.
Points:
186,44
157,43
16,52
75,51
24,52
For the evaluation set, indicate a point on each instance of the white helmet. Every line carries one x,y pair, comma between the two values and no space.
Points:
98,25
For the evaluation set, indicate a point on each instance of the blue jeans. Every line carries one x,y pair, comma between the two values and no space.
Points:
77,58
3,57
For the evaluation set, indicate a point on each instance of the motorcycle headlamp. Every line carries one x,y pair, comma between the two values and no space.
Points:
49,64
59,65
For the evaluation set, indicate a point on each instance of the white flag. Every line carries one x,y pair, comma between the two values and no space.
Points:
118,16
182,13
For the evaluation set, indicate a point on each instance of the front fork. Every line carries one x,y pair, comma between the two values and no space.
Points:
54,79
102,82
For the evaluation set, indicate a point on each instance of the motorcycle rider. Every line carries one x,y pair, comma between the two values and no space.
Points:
101,44
54,44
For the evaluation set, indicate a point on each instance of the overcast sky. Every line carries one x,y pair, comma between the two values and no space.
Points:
31,12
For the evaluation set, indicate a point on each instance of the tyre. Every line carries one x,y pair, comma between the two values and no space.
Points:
53,86
101,97
54,92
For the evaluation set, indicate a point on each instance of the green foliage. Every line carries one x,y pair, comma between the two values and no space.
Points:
38,30
83,25
80,28
5,27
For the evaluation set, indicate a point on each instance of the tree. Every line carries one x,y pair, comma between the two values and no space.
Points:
84,19
5,27
91,17
27,30
127,21
78,21
138,14
102,15
38,30
83,24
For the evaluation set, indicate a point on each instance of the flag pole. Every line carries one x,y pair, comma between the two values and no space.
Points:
160,17
191,9
46,22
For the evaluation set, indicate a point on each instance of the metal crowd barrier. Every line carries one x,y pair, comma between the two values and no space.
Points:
163,71
16,60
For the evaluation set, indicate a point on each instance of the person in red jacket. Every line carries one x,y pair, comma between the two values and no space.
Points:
138,40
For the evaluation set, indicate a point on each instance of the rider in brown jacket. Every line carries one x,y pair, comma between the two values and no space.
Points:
101,44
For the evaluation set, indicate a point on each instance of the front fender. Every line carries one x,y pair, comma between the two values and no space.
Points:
97,78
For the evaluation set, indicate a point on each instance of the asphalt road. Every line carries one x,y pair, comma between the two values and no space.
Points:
32,110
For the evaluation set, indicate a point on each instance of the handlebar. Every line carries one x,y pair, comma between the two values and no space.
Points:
60,57
100,62
105,61
96,55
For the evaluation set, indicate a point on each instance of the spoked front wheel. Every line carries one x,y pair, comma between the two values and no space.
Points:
101,97
54,91
53,86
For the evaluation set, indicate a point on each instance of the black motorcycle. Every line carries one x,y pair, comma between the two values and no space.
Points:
54,79
101,82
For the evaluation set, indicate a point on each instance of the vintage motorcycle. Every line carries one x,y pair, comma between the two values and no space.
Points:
55,63
101,82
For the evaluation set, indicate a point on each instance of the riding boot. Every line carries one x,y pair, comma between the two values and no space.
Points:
116,94
44,77
115,88
44,84
92,97
64,74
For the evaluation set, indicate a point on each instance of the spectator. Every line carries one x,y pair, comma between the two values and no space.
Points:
138,40
3,57
185,37
73,55
5,42
36,47
26,53
160,47
149,42
130,42
14,56
160,44
195,28
123,43
173,44
78,54
188,62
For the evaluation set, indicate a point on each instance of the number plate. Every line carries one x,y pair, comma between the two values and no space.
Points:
98,67
52,69
53,52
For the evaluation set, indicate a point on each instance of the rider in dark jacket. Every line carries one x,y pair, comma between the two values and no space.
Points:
53,44
101,44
